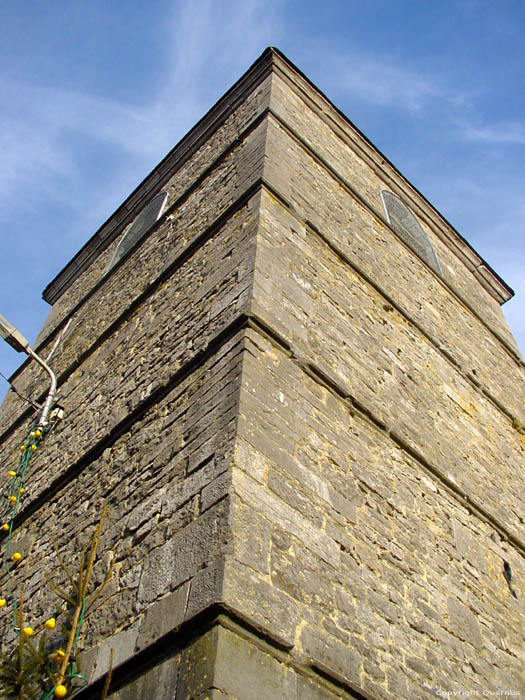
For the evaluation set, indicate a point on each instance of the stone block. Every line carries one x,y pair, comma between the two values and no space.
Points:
463,623
243,669
124,646
197,667
215,491
159,681
251,538
265,606
157,573
331,657
292,495
206,588
285,517
163,616
309,689
145,510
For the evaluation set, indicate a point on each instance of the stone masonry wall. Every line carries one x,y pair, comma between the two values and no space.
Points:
308,440
334,319
149,345
364,563
342,154
369,519
148,365
150,394
198,192
222,662
95,302
375,251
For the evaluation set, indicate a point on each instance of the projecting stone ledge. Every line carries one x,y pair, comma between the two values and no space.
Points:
216,657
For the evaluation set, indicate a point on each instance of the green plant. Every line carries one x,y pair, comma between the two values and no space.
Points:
36,669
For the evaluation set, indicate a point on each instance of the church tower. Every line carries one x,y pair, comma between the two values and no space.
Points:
290,380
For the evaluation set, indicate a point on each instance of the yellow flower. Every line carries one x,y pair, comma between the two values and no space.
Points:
16,556
5,527
50,624
12,499
60,691
28,631
22,448
12,473
58,656
3,601
33,448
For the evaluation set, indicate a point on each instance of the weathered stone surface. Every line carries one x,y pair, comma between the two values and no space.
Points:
265,606
243,669
463,623
352,162
206,588
163,616
401,377
181,674
331,656
123,646
399,562
197,667
251,538
159,682
300,429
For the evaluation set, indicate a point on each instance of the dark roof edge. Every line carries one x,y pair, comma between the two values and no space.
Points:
178,155
202,130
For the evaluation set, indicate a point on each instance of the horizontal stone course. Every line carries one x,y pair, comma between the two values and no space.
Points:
386,364
388,594
377,253
303,436
94,395
180,182
344,154
152,502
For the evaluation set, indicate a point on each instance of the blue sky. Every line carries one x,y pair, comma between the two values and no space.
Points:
93,94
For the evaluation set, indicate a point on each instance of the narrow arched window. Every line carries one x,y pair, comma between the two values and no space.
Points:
138,228
409,229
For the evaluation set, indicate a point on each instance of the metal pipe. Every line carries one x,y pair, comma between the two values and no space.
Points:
52,390
17,341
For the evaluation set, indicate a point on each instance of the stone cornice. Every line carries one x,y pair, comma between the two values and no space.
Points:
151,184
273,60
387,171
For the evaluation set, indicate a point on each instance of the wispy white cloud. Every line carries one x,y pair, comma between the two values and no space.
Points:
379,80
40,123
56,143
498,133
203,39
36,131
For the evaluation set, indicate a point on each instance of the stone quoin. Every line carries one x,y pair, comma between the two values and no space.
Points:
295,389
